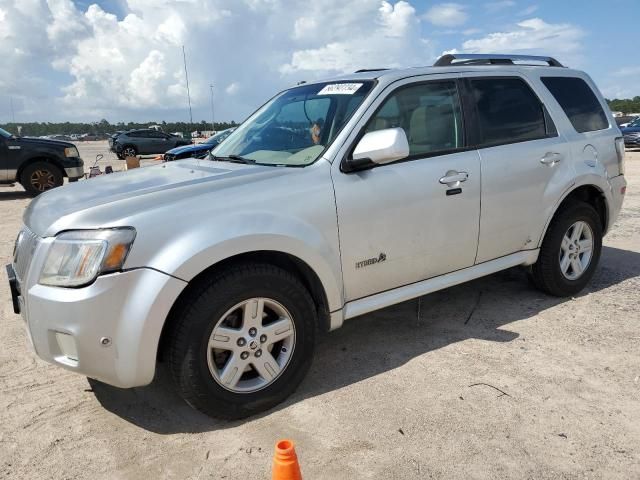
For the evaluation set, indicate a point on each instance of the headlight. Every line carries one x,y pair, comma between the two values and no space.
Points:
76,258
71,152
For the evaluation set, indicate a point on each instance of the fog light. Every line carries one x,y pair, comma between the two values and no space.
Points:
67,346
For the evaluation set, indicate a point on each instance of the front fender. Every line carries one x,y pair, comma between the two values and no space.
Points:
193,250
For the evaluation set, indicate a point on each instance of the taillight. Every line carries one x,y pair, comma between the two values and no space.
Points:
620,152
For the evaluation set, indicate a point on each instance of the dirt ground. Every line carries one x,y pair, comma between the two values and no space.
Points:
492,380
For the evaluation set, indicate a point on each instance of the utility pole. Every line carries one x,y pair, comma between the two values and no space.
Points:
213,124
186,76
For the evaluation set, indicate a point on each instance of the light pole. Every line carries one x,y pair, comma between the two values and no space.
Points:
213,125
186,76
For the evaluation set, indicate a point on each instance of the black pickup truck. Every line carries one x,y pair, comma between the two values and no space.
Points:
38,164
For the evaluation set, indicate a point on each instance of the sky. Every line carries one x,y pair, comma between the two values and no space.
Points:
83,60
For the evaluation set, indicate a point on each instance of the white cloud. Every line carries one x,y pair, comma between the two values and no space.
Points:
447,15
232,88
65,62
627,71
385,35
532,36
528,11
61,61
499,5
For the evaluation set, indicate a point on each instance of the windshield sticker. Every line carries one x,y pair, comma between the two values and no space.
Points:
340,89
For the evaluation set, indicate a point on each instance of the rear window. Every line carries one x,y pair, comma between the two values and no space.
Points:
508,111
579,103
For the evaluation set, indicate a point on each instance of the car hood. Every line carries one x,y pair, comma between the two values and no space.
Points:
190,148
630,130
113,200
45,142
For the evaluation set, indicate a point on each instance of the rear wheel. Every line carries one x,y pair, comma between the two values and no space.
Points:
39,177
570,251
243,341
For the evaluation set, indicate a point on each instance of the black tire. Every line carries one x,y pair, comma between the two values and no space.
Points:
198,314
39,177
120,156
129,151
546,273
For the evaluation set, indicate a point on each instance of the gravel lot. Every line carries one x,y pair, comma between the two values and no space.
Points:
392,395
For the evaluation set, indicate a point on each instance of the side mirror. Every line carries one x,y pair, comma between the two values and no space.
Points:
382,146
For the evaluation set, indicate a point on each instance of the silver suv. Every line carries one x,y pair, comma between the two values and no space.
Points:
334,199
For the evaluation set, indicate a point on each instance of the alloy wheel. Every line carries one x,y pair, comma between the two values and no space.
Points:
129,152
42,180
576,250
251,345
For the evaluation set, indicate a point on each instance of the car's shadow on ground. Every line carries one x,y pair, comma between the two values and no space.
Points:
14,195
379,342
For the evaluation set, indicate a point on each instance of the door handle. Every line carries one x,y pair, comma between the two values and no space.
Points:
551,158
453,178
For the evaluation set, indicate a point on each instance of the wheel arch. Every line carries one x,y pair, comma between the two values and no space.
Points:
286,261
588,192
39,158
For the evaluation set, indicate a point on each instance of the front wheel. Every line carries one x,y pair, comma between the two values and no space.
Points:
129,151
39,177
243,341
570,251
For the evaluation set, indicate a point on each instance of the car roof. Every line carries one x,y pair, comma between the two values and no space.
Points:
393,74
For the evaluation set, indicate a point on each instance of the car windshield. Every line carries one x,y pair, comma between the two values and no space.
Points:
295,127
635,123
5,134
218,137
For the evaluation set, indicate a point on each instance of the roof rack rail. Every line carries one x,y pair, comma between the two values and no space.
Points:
362,70
452,59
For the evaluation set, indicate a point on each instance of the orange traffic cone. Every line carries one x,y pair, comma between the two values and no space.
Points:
285,462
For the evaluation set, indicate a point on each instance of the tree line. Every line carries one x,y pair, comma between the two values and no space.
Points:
626,105
103,127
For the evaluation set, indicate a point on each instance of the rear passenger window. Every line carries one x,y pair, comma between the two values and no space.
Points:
579,103
429,113
508,111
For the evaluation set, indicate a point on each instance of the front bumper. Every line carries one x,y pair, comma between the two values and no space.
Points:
74,172
109,330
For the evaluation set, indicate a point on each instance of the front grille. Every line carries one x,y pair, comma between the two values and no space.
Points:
26,244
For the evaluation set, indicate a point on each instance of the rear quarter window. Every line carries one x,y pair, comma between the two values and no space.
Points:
579,103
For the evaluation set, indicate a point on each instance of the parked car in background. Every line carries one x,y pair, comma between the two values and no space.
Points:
334,199
144,142
633,126
38,164
632,121
112,139
199,150
632,139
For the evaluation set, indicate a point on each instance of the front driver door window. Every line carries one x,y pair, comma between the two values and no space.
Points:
398,223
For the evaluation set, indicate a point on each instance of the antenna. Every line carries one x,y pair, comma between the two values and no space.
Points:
186,76
213,125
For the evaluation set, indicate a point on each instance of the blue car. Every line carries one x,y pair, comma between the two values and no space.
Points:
631,133
199,150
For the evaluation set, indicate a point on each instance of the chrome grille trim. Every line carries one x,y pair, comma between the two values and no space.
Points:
25,247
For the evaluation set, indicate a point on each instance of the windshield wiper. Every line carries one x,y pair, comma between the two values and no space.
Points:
235,159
